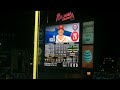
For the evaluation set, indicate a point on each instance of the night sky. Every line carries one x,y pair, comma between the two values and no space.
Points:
106,30
22,24
110,33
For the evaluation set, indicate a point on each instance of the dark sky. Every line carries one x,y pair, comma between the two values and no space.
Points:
106,29
109,33
22,24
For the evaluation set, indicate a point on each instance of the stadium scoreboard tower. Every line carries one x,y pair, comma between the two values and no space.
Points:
66,43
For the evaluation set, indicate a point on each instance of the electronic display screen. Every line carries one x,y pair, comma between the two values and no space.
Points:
87,56
88,32
62,45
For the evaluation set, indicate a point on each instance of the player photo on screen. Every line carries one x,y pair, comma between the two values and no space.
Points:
61,38
87,56
62,45
88,32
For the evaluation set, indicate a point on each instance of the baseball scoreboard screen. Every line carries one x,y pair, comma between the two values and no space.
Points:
62,45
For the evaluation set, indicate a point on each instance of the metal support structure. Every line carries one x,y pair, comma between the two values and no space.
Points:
36,46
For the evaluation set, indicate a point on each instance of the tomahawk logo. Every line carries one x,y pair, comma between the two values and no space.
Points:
67,16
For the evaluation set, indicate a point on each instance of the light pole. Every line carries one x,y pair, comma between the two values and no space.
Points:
36,46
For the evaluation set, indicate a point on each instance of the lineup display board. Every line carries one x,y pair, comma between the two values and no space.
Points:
88,32
62,45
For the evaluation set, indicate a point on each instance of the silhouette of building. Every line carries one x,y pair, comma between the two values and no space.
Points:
20,60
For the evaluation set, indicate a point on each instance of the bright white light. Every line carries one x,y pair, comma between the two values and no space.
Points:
0,43
117,70
30,63
112,60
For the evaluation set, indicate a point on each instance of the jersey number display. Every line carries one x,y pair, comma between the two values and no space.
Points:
74,36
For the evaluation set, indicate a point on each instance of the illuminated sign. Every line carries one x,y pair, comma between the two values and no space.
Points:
88,32
87,56
88,73
67,16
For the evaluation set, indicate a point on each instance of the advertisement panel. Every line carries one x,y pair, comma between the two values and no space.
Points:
87,56
88,32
